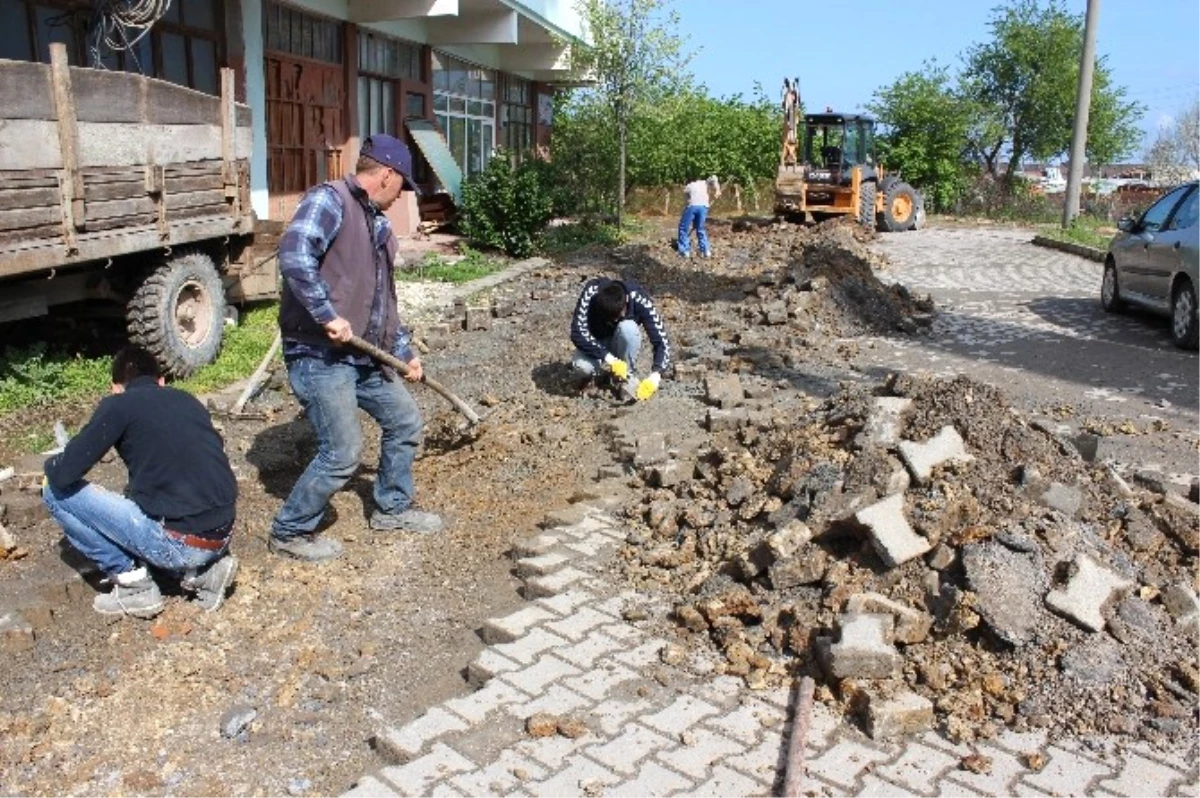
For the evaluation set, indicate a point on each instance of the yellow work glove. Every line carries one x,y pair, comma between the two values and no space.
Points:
619,368
648,386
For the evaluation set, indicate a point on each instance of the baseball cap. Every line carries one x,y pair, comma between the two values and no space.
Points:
392,153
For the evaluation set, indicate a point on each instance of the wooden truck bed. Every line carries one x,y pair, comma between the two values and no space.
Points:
98,164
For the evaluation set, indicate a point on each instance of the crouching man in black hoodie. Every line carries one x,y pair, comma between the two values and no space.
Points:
178,509
606,329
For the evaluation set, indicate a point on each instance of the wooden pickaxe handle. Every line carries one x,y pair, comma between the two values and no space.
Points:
400,366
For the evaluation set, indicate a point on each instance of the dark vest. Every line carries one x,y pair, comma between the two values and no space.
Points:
349,268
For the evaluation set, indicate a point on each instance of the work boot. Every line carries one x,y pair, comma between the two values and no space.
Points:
134,593
409,520
211,583
310,548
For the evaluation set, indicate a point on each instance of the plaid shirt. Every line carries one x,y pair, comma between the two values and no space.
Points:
315,225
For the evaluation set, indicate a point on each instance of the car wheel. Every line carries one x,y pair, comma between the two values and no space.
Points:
1110,290
178,313
1184,324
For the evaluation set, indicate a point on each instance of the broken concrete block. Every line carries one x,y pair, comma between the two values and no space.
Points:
897,715
1182,520
774,313
890,534
805,567
669,474
478,318
1182,603
1064,498
1090,587
911,625
650,449
24,510
1008,586
789,539
16,633
865,649
724,390
922,458
718,420
883,422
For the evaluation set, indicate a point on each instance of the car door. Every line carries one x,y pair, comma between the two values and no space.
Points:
1135,265
1164,254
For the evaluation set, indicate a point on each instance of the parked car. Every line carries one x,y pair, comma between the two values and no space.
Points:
1152,262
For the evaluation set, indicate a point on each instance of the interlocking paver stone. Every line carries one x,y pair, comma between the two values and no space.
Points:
917,767
1067,773
492,696
537,676
1140,776
577,775
682,714
652,779
566,602
748,722
700,750
489,663
597,683
553,583
406,742
1004,770
555,700
419,775
576,625
511,627
764,760
725,782
845,762
528,648
498,777
634,743
370,787
589,650
873,786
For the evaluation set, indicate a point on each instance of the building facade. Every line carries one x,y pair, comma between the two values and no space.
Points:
322,75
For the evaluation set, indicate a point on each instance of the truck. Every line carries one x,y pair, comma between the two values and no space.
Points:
130,191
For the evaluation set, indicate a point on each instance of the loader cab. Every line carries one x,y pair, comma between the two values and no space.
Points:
835,143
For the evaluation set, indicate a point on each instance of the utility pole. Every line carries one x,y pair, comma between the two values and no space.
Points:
1083,105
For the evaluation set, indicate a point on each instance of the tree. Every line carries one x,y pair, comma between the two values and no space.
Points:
925,130
633,56
1175,154
1023,83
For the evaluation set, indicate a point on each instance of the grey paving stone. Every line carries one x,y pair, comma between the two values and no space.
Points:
651,779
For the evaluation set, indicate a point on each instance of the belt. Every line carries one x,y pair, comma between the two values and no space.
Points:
197,542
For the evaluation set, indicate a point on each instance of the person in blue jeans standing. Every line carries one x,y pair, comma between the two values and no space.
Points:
695,214
178,510
337,257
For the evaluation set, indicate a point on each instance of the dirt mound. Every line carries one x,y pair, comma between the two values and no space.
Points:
768,544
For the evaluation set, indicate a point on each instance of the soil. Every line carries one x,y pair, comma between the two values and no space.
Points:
323,657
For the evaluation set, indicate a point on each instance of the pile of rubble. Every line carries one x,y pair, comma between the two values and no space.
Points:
929,553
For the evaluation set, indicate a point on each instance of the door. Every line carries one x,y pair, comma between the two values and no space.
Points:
1133,254
1163,255
306,128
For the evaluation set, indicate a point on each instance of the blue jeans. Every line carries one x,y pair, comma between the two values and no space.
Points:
624,344
331,393
113,532
693,216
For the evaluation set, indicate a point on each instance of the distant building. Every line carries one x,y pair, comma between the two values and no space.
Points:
321,75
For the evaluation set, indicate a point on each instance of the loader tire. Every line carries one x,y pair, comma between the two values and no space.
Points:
866,205
899,208
178,313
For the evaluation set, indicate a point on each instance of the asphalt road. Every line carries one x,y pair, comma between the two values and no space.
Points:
1028,319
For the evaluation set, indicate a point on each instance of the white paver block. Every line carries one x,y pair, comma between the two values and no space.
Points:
405,743
419,775
652,779
557,582
511,627
479,704
1066,773
922,458
680,716
535,545
1088,590
891,536
487,665
898,715
534,678
370,787
864,650
911,625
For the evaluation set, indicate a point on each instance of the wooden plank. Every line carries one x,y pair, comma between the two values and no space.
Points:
26,234
113,191
193,199
25,91
29,178
28,217
123,207
140,220
181,185
109,174
68,131
27,198
194,169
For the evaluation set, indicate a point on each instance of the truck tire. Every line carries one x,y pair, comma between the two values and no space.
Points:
899,207
178,313
866,204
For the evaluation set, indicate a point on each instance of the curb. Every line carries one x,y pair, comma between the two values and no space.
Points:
1091,253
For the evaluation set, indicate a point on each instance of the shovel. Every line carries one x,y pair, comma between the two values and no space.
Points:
399,365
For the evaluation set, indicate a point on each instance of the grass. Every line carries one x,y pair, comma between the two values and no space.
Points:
37,375
1084,230
435,268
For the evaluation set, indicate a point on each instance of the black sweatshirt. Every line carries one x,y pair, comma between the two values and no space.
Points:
178,471
589,328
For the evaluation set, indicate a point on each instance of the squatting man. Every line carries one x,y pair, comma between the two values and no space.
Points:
607,332
176,517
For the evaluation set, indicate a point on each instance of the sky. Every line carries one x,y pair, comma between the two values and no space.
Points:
844,51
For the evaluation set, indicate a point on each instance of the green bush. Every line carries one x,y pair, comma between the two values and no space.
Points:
505,208
435,268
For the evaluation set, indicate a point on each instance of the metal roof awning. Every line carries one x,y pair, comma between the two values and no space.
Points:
431,144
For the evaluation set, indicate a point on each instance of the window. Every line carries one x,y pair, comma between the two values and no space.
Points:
1156,215
1188,213
388,57
517,115
304,35
464,104
182,47
383,62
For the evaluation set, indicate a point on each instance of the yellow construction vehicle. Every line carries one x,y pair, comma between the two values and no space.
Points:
828,168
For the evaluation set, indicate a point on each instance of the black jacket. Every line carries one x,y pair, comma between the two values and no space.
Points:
178,471
590,331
